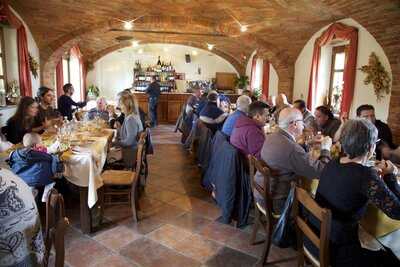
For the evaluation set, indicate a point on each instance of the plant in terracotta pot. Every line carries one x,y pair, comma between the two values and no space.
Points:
241,83
93,92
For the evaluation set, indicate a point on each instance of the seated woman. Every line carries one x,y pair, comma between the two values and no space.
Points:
24,121
127,132
347,185
33,164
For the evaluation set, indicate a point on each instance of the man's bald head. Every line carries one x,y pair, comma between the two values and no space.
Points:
287,116
281,100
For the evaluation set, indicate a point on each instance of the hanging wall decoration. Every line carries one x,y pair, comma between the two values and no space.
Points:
33,65
377,75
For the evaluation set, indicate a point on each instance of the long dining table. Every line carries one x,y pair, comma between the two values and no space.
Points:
83,160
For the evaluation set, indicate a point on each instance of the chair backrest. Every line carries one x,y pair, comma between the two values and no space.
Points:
139,158
264,190
323,215
56,224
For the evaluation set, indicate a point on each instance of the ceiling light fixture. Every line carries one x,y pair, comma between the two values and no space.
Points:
243,28
128,25
210,46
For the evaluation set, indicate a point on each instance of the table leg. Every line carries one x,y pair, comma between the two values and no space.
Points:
86,219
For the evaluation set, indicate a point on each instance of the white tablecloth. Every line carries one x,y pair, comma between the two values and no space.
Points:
84,168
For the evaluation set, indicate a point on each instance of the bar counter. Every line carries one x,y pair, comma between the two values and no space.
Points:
170,104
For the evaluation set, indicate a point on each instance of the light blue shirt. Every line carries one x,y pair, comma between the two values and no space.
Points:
229,124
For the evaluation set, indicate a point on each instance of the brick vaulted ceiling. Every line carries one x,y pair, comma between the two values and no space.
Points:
278,29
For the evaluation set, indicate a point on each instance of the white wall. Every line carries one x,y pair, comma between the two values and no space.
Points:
273,75
363,94
114,72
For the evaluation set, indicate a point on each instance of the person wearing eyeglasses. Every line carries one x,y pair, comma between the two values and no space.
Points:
288,159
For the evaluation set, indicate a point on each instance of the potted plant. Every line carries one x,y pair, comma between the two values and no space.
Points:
257,93
93,92
241,83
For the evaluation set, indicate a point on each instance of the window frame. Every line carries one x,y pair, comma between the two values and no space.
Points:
336,50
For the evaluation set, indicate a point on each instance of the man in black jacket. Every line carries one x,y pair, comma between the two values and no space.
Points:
65,102
153,91
384,132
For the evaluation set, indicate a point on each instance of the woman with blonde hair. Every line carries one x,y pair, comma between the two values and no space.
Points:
127,132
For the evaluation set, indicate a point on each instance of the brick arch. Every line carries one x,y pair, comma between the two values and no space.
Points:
248,42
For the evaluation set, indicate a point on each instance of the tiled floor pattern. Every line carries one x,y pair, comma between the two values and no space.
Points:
177,223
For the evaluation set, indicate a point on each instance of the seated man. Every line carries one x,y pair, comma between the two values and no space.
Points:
386,144
281,102
288,159
242,107
325,122
99,111
248,135
211,115
35,166
308,117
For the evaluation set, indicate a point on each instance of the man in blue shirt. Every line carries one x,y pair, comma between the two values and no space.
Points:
242,107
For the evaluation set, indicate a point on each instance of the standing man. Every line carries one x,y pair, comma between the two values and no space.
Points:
153,91
65,102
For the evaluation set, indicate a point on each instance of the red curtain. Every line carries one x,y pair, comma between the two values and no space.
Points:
265,79
59,78
75,51
253,72
25,82
343,32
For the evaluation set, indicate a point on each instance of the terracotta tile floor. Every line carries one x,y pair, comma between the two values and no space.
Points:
176,223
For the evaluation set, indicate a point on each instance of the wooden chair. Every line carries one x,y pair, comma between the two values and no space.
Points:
115,179
321,240
56,224
263,215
